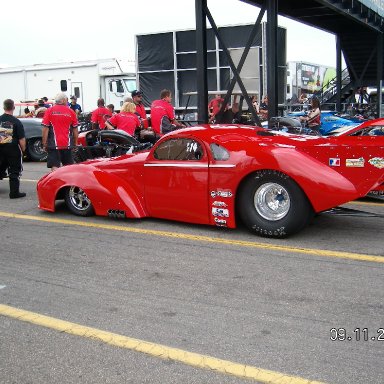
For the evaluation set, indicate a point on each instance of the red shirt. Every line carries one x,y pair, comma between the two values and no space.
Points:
141,111
215,105
162,114
100,115
125,121
59,119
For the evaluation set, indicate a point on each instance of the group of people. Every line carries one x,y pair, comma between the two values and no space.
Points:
218,113
133,118
60,129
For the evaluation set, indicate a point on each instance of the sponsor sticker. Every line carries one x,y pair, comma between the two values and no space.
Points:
357,163
220,222
219,204
377,162
220,212
334,162
221,193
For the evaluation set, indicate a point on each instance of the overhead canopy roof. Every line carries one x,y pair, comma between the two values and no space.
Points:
332,16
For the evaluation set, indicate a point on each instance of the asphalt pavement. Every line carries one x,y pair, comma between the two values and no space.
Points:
305,308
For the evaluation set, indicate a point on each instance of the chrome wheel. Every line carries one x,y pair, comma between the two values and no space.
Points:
79,199
272,201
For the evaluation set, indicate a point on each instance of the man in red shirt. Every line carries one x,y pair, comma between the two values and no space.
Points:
100,115
214,107
137,98
163,114
59,132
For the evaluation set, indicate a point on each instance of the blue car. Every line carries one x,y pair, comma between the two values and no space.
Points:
330,120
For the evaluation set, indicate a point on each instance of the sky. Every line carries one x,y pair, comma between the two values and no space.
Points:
56,31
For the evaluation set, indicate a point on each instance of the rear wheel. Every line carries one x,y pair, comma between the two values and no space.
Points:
78,202
271,204
35,151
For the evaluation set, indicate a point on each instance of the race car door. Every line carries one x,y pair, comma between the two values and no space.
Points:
176,181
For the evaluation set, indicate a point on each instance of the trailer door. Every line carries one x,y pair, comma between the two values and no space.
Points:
77,90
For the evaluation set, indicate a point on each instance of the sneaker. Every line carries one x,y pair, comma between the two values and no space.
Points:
17,195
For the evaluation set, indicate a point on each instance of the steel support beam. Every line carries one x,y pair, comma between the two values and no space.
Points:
379,56
338,73
272,80
201,61
240,66
229,58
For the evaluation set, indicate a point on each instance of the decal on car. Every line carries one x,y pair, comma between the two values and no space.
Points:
221,193
377,162
358,163
219,204
220,222
220,212
334,162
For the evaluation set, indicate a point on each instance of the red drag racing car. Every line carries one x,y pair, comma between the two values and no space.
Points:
217,174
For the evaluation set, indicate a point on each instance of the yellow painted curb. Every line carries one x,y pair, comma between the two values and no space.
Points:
241,243
156,350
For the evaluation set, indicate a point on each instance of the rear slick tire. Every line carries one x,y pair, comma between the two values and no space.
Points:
271,204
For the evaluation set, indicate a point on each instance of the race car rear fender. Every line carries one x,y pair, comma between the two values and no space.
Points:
325,186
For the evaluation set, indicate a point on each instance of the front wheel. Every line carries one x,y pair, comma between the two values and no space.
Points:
78,202
271,204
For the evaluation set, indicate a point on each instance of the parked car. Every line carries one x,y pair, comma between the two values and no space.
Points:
330,120
274,182
367,128
33,135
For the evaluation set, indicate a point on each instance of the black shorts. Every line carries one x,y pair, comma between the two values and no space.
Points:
57,157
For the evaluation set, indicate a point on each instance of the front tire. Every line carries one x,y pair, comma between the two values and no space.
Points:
78,202
271,204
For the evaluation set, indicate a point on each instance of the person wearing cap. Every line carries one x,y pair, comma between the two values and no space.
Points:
163,114
100,115
137,98
74,106
46,104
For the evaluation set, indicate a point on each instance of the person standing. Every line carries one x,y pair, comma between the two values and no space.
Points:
46,104
100,115
60,132
263,109
313,119
126,120
137,98
40,111
214,107
73,105
12,146
111,108
163,114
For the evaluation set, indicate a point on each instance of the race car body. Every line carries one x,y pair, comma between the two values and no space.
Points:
212,174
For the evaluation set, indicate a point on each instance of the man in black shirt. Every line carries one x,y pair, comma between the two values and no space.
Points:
12,146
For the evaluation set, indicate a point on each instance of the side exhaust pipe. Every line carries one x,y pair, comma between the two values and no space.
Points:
116,213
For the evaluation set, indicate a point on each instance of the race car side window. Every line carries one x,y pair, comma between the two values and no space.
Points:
219,152
179,149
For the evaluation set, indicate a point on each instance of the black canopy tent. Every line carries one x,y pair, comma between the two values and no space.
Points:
357,25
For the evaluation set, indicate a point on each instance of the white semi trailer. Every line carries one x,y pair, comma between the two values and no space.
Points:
111,79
